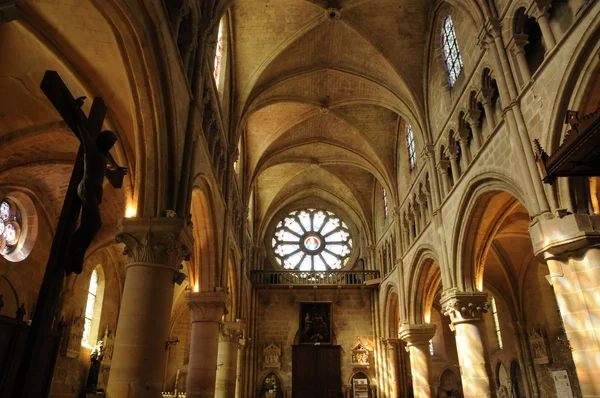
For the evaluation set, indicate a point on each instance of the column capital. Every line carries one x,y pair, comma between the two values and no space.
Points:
442,166
474,117
207,306
464,306
556,236
518,42
542,9
416,334
485,95
162,241
453,151
491,29
463,134
231,332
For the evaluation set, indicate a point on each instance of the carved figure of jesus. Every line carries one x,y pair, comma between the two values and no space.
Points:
90,189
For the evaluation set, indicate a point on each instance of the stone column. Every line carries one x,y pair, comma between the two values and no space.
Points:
466,314
422,200
417,340
239,376
394,369
227,359
570,246
463,139
156,247
517,46
207,310
442,167
541,16
417,218
474,119
411,230
485,96
453,155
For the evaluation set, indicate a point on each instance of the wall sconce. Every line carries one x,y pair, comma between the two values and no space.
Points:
171,342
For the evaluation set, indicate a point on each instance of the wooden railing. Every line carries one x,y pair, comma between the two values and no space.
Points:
312,278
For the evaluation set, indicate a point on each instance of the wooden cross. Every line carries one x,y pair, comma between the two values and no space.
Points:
37,363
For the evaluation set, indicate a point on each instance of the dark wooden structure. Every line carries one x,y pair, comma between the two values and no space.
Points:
579,153
316,371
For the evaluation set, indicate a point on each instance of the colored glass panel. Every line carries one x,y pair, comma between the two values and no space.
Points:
5,211
450,51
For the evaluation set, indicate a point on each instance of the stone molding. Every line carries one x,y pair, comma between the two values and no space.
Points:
555,237
464,306
207,306
416,334
162,241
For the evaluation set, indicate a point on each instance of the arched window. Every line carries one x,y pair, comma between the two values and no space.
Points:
93,308
385,203
496,323
410,146
431,349
450,51
312,240
219,55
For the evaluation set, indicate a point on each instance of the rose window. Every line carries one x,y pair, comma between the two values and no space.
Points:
10,229
312,240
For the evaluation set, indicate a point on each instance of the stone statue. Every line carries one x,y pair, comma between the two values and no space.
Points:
96,358
90,190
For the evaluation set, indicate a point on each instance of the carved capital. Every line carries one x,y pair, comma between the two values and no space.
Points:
453,151
231,332
542,10
164,241
474,117
485,95
491,29
442,166
464,306
207,306
518,43
416,334
463,134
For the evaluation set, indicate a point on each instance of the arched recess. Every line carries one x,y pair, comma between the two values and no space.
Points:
424,286
579,90
392,312
204,269
467,274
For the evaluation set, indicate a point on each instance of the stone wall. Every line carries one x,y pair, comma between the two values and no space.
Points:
278,320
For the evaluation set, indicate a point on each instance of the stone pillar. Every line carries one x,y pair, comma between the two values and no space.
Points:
466,314
453,155
394,369
411,228
417,219
417,341
520,328
474,118
239,376
463,140
442,167
485,96
207,310
570,247
156,247
541,16
517,46
227,359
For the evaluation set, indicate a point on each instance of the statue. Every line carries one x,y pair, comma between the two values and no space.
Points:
89,191
96,358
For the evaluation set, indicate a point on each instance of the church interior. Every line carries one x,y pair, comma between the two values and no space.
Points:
306,198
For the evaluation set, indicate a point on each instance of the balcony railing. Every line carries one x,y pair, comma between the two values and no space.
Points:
333,278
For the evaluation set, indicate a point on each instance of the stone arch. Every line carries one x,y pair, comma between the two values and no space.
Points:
203,273
426,278
471,203
392,311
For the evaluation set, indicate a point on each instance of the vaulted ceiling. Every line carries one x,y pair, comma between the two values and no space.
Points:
322,91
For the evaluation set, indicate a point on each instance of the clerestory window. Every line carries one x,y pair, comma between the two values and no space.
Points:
496,323
312,240
219,55
410,146
450,51
385,203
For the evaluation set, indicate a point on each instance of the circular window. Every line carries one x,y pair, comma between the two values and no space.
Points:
10,230
312,240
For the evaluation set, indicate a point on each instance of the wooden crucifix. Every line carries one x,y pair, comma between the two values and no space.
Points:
84,195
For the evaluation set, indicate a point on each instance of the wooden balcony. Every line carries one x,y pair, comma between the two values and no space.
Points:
312,278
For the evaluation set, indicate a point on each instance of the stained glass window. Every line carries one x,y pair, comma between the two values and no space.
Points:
385,203
410,146
496,323
312,240
10,227
450,51
89,307
219,54
431,349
